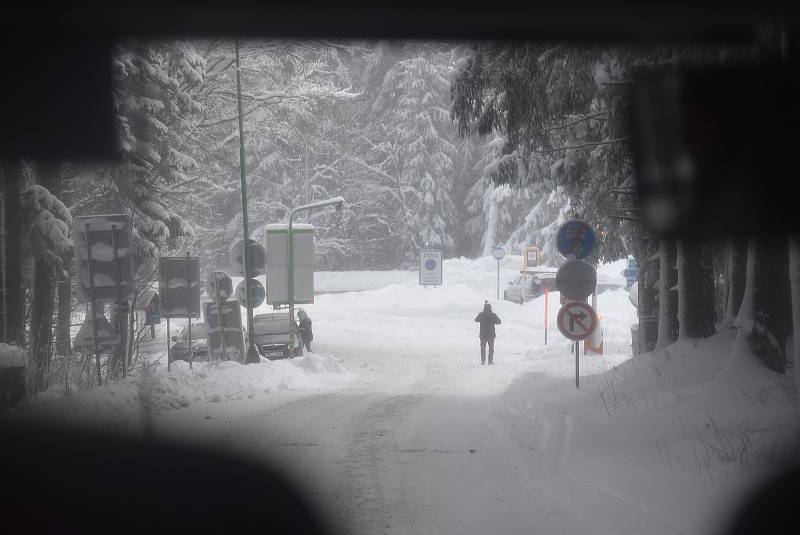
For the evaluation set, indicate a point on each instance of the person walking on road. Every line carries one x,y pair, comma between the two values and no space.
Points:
488,320
306,335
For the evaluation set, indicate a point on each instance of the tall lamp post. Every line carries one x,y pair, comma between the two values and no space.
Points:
339,202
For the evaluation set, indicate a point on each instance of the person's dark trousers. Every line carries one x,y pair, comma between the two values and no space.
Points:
484,341
307,344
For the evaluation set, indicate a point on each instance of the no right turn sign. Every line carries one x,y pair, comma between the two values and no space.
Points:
576,320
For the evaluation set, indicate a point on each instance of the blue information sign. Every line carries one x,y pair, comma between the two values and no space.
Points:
575,239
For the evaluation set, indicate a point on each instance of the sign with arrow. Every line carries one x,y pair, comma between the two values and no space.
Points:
576,320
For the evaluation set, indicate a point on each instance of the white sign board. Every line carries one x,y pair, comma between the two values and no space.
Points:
278,265
498,252
430,267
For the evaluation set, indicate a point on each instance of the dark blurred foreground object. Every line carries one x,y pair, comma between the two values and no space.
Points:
80,481
771,508
716,150
57,78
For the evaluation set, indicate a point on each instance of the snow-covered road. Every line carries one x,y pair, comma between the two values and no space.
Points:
417,446
393,426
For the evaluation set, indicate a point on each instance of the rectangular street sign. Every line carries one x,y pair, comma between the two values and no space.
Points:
179,287
430,267
278,263
105,260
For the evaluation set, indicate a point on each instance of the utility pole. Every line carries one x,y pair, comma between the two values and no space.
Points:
252,352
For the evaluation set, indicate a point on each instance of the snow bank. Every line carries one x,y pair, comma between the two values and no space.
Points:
156,389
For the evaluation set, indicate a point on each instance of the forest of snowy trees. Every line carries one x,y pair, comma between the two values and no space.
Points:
457,145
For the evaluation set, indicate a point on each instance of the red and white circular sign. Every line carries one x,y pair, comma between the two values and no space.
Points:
576,320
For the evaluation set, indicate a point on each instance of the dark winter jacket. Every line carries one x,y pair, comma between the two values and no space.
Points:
488,320
305,329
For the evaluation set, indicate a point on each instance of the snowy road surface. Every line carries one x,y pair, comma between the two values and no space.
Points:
392,425
441,450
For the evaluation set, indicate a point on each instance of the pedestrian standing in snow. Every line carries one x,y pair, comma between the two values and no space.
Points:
488,320
306,335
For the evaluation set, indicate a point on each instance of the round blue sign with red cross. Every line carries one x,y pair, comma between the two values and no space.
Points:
575,239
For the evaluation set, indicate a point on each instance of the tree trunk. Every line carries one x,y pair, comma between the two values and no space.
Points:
64,315
667,295
769,301
736,278
42,322
11,175
696,311
648,306
794,282
116,359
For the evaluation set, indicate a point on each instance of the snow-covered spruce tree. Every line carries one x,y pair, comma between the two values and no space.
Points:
418,150
47,222
292,92
154,84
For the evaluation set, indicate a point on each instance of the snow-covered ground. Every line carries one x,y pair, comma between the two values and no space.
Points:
394,427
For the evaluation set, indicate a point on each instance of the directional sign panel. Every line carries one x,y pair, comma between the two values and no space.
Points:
576,279
498,252
575,239
576,320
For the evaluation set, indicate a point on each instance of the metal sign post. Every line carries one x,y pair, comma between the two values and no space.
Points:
94,310
546,309
498,253
577,321
188,300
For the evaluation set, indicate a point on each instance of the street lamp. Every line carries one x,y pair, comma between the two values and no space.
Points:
339,202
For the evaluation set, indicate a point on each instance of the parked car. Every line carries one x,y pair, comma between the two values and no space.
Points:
535,281
272,336
180,349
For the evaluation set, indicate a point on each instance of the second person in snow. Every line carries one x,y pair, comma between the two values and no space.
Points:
306,335
488,320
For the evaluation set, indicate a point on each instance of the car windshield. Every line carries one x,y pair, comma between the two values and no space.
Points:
400,186
273,324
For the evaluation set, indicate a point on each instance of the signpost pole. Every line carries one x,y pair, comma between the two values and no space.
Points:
546,307
219,318
252,352
189,306
91,298
577,365
498,280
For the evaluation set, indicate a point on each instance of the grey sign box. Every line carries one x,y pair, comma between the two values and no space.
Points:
231,330
278,265
96,238
174,278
